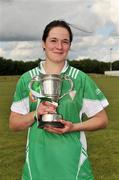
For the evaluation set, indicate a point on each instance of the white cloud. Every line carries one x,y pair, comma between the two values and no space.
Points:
2,52
115,13
23,50
22,23
27,50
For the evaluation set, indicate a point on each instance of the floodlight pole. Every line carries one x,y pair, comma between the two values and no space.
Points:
111,59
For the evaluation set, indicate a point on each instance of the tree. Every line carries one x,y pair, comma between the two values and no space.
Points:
10,67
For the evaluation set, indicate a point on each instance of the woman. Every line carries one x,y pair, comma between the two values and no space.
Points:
58,153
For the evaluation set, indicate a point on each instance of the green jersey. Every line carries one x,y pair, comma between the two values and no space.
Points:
51,156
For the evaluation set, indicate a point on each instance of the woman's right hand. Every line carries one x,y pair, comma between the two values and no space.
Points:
45,108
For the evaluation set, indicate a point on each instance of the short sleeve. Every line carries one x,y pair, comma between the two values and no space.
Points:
21,98
93,98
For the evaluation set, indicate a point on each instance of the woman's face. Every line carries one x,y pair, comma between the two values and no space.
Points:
57,44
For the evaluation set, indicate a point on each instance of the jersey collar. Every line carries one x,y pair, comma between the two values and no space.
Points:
42,70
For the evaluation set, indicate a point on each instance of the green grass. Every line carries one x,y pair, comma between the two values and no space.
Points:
103,145
12,145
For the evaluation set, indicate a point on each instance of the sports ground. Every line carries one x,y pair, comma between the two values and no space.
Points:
103,145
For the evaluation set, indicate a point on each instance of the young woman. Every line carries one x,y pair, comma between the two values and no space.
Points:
58,153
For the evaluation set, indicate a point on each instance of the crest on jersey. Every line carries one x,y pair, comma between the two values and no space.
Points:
72,94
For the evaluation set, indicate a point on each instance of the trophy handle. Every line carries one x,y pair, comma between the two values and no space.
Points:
71,86
35,93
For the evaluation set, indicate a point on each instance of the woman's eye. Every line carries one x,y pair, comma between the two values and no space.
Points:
53,40
66,42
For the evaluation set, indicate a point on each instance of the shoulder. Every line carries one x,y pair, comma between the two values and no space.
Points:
27,76
79,77
75,73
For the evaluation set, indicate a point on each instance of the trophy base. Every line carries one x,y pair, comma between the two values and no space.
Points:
50,120
54,124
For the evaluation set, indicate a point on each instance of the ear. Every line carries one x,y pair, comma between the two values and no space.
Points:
43,45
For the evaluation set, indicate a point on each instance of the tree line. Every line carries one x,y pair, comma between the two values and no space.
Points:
10,67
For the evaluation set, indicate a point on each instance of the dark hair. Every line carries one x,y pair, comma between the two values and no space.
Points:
56,23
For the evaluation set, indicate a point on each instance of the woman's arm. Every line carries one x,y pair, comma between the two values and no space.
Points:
99,121
19,122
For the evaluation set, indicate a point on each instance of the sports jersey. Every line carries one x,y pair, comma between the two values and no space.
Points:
51,156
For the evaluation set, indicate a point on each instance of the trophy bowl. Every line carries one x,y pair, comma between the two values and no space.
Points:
50,90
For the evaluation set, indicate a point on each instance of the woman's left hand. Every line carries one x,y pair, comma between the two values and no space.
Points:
68,126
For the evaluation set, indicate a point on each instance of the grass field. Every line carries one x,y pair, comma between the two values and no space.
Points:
103,145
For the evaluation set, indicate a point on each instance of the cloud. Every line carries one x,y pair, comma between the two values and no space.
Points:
22,24
25,20
24,50
114,11
2,52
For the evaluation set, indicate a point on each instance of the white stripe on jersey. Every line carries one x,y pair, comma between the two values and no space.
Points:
70,71
21,107
37,70
34,72
31,73
82,159
73,72
83,140
91,107
27,155
76,74
82,135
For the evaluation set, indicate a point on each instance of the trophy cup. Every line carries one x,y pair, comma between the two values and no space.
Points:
48,88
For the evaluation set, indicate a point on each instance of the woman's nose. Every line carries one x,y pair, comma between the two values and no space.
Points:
59,45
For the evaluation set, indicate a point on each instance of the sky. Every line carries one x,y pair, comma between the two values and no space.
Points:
94,23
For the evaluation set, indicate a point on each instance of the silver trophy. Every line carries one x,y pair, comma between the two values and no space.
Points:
48,88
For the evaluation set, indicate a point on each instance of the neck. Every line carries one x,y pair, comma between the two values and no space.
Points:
52,67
